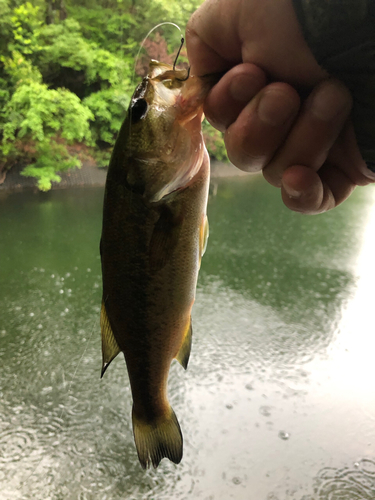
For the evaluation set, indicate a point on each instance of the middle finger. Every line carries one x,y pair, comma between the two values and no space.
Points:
314,132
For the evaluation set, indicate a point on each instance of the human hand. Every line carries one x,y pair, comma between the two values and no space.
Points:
308,150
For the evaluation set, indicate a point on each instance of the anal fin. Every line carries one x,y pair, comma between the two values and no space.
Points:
110,348
183,354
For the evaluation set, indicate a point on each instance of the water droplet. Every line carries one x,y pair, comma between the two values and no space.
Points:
88,270
52,275
284,435
46,390
31,315
236,480
230,407
249,387
265,411
61,291
66,310
67,275
40,326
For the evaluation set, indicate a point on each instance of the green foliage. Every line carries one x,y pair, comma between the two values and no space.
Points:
109,28
214,142
49,154
35,119
37,113
157,11
65,47
25,27
66,72
4,22
19,69
109,107
4,92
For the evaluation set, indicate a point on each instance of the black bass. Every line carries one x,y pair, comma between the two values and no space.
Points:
154,235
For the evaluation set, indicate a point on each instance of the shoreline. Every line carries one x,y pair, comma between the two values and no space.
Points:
89,175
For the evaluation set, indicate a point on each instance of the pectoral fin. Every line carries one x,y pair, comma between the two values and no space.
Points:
110,348
164,238
203,236
183,354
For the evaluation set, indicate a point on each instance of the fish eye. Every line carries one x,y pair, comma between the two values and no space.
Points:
138,110
167,83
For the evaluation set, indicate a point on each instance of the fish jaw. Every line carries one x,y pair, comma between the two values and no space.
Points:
165,147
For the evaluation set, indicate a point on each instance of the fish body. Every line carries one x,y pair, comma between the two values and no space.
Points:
153,237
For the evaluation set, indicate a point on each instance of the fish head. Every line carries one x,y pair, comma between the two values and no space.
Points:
164,145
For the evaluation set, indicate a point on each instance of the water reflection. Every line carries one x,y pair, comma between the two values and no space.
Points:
279,384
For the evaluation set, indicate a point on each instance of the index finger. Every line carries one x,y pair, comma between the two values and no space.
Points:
212,41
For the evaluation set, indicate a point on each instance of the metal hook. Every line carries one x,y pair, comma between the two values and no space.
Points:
178,53
187,76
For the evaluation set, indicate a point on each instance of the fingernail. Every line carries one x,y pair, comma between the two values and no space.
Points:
275,108
243,87
330,100
292,193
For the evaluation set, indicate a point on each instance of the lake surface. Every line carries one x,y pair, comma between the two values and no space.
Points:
278,402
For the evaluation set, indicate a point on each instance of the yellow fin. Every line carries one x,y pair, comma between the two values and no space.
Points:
183,354
110,348
203,236
158,439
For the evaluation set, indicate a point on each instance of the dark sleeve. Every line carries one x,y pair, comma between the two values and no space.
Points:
341,34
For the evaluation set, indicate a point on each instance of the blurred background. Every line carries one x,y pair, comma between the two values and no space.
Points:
67,72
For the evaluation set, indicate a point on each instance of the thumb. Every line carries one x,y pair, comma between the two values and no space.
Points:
212,40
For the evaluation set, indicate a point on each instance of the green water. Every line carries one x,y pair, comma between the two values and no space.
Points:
278,402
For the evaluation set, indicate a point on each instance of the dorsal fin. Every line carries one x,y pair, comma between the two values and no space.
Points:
110,348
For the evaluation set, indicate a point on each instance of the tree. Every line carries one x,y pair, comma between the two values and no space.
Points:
67,75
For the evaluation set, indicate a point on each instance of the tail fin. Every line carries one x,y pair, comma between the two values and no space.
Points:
159,439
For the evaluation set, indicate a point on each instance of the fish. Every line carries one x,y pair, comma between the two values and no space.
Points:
154,235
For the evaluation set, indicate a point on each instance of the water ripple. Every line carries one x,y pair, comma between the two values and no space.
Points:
347,484
15,444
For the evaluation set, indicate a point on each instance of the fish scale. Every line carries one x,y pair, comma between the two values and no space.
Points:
153,237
